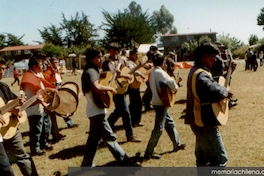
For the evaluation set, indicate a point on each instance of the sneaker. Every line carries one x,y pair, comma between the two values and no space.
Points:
154,155
180,146
133,139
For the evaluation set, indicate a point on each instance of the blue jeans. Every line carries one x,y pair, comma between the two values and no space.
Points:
209,148
121,110
39,131
100,128
5,167
162,120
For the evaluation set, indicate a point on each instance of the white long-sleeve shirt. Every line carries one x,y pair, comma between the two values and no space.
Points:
157,75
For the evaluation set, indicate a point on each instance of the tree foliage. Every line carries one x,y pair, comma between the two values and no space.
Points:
162,20
77,31
8,39
253,39
129,27
260,18
53,35
51,50
231,43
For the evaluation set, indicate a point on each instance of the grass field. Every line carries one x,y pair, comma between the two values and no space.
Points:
242,136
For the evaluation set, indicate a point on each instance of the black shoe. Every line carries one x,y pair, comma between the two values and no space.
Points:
181,146
231,104
148,156
38,153
48,147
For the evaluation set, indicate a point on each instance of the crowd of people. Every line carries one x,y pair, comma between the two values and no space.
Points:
36,82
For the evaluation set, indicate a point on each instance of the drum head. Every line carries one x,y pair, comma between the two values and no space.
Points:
68,102
71,85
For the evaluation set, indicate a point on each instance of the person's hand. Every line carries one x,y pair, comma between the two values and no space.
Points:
16,112
233,65
128,76
2,122
230,94
113,90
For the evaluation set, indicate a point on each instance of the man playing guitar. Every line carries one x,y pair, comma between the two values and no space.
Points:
99,126
202,92
14,146
32,81
121,107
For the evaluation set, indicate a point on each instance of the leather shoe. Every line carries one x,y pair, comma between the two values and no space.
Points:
148,156
133,139
180,146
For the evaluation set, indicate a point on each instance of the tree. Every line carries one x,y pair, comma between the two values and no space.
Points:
12,40
162,20
51,50
204,38
231,43
173,30
188,48
2,41
253,39
52,35
130,27
260,18
79,31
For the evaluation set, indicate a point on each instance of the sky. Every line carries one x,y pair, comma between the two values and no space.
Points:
238,18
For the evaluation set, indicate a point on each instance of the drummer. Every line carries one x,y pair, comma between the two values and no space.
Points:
39,122
56,79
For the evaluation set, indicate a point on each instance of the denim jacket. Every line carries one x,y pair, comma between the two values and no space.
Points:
208,91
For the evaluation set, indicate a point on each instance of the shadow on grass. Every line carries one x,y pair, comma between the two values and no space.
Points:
69,153
182,101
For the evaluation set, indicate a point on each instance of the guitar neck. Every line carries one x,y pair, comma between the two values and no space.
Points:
28,103
115,73
134,69
9,106
228,75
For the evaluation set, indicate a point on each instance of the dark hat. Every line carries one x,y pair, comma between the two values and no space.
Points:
37,54
134,50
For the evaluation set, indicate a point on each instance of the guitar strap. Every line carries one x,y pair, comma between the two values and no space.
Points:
197,103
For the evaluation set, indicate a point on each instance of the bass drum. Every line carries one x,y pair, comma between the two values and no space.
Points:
71,85
68,102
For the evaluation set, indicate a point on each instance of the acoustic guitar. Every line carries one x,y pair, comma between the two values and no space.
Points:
140,78
220,109
9,129
105,99
167,95
123,83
